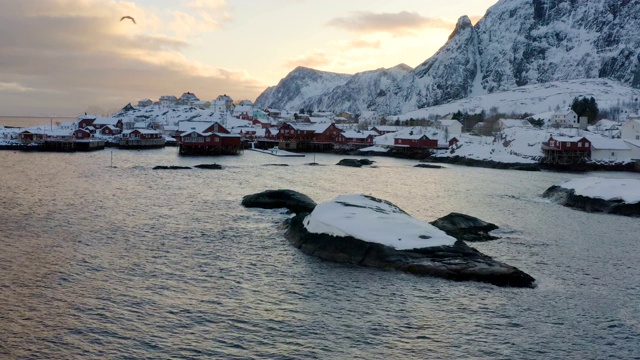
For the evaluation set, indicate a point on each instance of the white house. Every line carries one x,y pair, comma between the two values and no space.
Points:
168,100
145,102
569,118
243,110
226,100
605,149
188,98
369,117
503,124
630,130
452,127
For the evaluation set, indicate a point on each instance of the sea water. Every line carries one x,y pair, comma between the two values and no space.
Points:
130,262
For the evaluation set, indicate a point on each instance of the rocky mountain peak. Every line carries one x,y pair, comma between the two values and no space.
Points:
516,43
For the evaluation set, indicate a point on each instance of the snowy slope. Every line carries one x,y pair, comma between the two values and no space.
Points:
535,99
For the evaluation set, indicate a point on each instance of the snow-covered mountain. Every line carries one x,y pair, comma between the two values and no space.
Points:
298,86
516,43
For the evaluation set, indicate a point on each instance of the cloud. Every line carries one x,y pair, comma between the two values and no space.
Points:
14,88
315,59
207,4
397,24
363,44
62,56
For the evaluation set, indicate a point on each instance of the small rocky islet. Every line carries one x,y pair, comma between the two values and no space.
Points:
598,195
341,230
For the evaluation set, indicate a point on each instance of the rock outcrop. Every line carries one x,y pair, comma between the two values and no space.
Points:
465,227
209,166
276,199
455,260
354,162
171,167
569,198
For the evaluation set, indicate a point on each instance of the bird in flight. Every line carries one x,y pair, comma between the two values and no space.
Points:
128,17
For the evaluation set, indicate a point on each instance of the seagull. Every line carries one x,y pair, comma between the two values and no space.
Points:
128,17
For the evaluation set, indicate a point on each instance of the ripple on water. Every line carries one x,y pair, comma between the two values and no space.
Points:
136,263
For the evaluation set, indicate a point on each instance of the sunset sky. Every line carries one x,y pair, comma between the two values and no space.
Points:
61,57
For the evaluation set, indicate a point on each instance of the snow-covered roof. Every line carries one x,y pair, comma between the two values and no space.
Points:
601,143
510,123
567,138
209,134
387,128
635,143
445,122
317,128
197,126
106,121
142,131
605,124
243,109
352,134
376,221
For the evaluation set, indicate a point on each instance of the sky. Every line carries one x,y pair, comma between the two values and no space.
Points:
66,57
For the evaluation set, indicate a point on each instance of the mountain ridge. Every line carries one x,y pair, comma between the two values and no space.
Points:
516,43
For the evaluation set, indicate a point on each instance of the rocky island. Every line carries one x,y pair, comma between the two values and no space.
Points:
595,194
367,231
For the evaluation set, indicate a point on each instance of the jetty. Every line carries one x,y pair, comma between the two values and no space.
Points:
275,151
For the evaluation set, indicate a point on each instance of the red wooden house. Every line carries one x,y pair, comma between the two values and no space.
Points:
145,134
415,141
561,150
28,136
85,121
357,138
214,140
82,134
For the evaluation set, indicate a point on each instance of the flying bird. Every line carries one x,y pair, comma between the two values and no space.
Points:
128,17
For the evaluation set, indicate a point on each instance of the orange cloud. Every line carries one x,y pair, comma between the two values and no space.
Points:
397,24
63,56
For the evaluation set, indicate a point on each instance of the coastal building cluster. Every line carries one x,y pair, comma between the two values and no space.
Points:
222,126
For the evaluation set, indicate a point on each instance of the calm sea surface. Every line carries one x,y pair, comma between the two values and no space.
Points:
32,121
132,263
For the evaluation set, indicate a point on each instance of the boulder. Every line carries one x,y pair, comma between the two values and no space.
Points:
429,166
209,166
355,162
465,227
349,162
276,199
172,167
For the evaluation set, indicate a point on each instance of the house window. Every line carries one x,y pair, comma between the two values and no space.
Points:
579,144
613,154
567,144
217,139
637,137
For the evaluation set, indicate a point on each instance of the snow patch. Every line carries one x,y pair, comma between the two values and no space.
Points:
627,190
374,220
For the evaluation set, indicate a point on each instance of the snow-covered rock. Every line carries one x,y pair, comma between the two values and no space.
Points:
596,194
374,220
363,230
